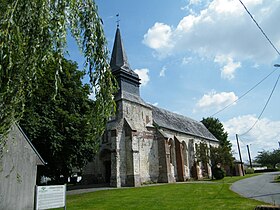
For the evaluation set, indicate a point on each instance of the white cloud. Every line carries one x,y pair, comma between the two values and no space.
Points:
186,60
228,70
194,2
216,100
263,136
222,28
159,38
256,66
190,7
155,104
143,75
162,72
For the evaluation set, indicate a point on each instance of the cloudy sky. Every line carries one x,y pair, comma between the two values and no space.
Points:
196,57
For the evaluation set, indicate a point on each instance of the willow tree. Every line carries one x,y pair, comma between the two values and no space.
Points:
34,32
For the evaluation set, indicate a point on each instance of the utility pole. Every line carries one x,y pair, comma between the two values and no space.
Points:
240,155
249,156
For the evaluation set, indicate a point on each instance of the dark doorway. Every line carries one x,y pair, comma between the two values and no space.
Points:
107,165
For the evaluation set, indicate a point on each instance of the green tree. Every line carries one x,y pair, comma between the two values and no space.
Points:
61,128
221,154
269,159
32,34
203,156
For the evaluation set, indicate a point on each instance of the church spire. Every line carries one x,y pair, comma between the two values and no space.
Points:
127,79
119,58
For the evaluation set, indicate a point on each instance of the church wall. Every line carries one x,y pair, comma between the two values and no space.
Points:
164,158
117,146
133,148
143,147
149,164
187,155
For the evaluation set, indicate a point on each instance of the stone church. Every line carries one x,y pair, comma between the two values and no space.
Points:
144,143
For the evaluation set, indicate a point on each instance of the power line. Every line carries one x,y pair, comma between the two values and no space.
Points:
251,16
270,42
244,94
272,91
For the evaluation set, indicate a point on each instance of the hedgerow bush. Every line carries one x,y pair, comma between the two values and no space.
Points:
218,173
249,171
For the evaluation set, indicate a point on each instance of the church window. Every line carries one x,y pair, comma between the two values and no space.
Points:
184,152
147,119
171,152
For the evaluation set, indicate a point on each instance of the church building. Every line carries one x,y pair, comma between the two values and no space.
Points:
144,143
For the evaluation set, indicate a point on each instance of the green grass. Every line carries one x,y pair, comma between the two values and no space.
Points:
214,195
277,179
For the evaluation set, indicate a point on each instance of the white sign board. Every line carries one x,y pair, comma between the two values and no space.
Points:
48,197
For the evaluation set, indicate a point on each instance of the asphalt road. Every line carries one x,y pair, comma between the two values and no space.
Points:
260,187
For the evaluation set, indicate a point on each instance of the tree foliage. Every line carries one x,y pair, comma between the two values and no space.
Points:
32,34
269,159
202,154
61,129
221,154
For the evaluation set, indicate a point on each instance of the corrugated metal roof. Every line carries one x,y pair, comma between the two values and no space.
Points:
180,123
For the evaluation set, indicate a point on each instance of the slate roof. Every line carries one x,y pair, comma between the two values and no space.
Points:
119,59
180,123
132,97
120,66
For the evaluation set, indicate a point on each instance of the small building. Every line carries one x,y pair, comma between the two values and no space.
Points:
18,170
145,143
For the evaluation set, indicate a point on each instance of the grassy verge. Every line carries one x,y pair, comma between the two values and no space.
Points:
277,179
199,195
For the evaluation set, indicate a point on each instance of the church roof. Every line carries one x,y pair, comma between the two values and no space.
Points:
119,59
180,123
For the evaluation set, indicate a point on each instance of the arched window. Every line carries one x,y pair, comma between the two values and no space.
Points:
184,153
171,151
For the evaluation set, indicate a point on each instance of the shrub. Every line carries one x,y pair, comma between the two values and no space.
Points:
218,173
249,171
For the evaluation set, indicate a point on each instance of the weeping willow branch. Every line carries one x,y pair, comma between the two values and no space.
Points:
33,33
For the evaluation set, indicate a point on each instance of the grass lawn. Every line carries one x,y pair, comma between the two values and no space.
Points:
213,195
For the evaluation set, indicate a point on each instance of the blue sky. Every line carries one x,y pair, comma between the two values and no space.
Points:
196,57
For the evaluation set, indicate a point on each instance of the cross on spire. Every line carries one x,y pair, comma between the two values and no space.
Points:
118,20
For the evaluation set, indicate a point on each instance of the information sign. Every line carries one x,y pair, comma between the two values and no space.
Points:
48,197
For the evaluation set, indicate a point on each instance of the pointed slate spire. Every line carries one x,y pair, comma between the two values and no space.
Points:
128,80
119,58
